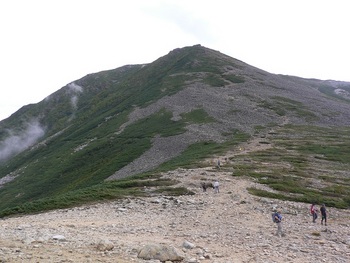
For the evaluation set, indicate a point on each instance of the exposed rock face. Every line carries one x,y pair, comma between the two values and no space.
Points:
231,226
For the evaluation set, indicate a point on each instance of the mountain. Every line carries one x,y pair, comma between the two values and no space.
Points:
186,106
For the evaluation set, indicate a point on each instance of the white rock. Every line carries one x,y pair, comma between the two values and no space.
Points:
59,238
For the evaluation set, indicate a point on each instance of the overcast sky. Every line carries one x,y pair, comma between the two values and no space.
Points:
45,45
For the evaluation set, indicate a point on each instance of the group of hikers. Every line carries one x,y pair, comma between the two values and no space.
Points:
314,211
214,185
277,217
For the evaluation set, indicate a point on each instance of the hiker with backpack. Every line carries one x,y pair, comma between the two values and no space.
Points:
277,218
216,186
313,212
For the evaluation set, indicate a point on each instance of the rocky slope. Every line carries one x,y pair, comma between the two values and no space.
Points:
231,226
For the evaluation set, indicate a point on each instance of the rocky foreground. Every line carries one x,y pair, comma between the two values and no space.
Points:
231,226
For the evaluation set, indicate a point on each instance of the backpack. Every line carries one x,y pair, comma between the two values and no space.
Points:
312,209
274,215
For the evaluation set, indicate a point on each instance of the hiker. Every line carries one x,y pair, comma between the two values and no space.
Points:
218,164
323,214
204,186
277,218
216,186
313,211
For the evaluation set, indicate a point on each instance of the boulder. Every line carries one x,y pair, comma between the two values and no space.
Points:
105,245
160,252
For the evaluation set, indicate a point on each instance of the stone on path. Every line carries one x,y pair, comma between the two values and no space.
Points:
160,252
105,245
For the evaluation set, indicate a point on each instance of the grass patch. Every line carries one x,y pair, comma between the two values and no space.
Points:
330,91
309,197
281,106
234,78
214,80
263,193
197,116
110,190
174,191
195,153
292,171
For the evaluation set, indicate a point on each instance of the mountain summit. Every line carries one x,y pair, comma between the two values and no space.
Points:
130,120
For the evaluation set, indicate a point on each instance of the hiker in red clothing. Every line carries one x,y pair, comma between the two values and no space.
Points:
313,211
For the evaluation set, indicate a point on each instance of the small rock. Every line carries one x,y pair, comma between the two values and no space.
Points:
188,245
105,245
59,238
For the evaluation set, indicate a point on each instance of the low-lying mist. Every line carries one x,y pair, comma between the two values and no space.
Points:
20,141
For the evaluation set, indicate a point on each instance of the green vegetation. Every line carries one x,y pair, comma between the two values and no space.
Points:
217,80
330,91
73,166
214,80
197,116
127,187
234,78
97,193
193,156
305,164
282,105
